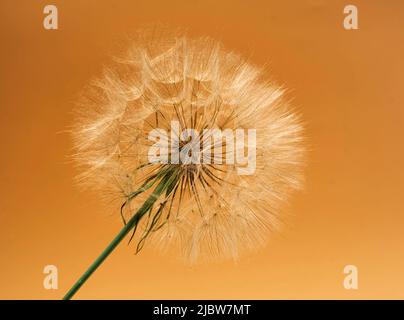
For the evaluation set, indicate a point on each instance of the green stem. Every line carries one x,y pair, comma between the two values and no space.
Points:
163,184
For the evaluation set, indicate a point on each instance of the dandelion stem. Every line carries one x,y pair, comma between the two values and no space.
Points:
160,188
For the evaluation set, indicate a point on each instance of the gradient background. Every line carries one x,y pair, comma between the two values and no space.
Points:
348,85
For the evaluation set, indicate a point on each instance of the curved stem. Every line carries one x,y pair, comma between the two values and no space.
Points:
163,184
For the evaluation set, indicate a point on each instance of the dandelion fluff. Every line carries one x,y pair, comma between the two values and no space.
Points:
207,210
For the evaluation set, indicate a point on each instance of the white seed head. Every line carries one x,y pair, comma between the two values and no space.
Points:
212,211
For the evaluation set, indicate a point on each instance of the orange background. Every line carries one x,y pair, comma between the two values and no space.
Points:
348,85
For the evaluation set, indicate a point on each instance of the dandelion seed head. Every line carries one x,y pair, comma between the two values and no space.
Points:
210,211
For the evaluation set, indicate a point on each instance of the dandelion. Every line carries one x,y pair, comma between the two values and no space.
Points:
206,209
